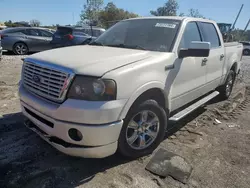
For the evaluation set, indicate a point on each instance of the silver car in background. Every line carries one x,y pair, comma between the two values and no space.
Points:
246,48
22,40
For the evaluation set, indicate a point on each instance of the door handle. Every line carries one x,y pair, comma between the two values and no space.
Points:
222,56
204,61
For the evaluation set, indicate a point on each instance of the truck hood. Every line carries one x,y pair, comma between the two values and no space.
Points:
91,60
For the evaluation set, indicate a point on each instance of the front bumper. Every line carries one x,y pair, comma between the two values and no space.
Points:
53,122
76,151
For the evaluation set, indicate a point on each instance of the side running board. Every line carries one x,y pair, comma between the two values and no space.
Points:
194,106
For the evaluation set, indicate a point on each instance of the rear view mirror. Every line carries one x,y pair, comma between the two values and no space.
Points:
196,49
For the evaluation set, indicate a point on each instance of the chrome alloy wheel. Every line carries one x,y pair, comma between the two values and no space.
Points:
21,49
142,130
229,85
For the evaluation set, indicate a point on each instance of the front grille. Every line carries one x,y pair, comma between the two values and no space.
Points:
44,81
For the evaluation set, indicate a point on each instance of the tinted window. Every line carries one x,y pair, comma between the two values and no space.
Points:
11,30
62,31
44,33
246,43
149,34
87,31
190,34
210,34
96,32
32,32
81,33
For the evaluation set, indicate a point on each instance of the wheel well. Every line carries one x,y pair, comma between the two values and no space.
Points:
20,42
155,94
234,68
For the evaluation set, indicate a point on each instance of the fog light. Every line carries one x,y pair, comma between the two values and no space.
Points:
75,135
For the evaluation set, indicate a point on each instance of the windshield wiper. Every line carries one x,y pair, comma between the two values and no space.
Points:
127,46
138,47
96,43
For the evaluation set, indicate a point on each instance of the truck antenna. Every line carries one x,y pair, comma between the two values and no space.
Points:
233,26
247,25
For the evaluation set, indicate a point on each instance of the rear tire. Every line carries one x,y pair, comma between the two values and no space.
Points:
143,130
20,48
226,89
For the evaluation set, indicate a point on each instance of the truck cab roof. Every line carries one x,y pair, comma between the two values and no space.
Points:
173,18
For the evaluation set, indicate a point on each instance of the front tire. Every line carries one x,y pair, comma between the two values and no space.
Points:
20,48
143,130
226,89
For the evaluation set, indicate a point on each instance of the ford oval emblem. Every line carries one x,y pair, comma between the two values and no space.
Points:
36,79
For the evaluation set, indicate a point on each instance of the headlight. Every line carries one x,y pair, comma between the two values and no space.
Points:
92,89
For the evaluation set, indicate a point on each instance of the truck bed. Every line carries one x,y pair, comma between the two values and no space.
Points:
229,44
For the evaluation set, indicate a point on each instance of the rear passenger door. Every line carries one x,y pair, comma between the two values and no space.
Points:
46,38
34,41
214,63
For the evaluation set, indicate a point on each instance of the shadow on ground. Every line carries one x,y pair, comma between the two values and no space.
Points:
12,53
27,161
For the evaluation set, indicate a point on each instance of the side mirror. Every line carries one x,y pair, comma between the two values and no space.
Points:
196,49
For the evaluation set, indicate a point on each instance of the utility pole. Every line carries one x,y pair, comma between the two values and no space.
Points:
247,25
73,17
229,36
237,17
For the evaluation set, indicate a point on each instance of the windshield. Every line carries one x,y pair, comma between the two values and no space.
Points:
144,34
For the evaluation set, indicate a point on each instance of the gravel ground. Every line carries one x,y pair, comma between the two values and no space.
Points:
218,153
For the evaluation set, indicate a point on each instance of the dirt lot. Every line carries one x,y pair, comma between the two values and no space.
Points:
218,152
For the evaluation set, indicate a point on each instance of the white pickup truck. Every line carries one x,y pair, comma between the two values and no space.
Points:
120,92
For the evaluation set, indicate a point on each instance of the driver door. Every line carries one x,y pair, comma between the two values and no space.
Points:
189,73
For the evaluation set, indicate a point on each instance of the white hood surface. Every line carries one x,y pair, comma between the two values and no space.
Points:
92,60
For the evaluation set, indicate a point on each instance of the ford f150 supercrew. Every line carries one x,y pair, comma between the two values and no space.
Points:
120,92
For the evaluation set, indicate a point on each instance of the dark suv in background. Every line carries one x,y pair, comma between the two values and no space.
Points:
70,36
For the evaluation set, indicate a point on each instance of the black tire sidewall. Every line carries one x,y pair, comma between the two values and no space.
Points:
224,94
123,146
14,48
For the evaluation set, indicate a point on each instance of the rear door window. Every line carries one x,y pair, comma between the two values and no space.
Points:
32,32
190,34
209,34
44,33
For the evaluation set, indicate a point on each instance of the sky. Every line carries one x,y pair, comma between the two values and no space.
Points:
67,11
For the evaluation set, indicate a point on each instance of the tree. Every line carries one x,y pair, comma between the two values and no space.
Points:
195,13
35,23
8,23
168,9
90,11
240,35
111,14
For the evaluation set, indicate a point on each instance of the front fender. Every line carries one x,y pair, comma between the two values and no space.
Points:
139,92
